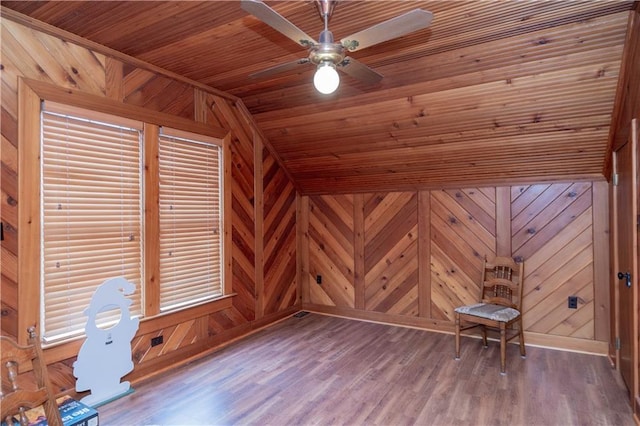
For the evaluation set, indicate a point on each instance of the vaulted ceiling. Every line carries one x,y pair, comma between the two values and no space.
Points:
491,93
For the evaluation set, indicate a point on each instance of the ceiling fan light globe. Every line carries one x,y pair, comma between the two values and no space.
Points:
326,79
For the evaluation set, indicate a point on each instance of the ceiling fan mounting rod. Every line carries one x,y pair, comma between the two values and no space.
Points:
325,9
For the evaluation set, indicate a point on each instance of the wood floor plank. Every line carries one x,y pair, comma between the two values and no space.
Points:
325,370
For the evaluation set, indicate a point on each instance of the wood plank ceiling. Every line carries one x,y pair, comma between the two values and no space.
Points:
492,93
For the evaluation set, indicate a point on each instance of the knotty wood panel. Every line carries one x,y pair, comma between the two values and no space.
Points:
331,250
280,286
9,217
462,235
150,90
391,253
552,230
41,57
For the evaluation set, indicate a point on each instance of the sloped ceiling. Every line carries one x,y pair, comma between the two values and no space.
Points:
491,93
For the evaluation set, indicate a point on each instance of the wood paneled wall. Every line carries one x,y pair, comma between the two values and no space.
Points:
262,250
411,257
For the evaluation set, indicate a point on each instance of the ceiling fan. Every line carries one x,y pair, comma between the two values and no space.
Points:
328,55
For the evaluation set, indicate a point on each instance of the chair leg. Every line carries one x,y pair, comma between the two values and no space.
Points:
503,348
484,336
457,336
523,352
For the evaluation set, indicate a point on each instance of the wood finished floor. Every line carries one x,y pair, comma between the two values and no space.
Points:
321,370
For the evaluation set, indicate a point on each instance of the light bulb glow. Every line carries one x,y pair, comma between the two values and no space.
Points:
326,79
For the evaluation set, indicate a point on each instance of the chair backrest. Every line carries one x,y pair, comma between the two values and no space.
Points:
502,282
16,400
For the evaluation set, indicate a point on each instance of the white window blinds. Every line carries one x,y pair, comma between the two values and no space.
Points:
91,216
190,226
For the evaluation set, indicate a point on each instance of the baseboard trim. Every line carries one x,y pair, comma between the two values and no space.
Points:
213,344
570,344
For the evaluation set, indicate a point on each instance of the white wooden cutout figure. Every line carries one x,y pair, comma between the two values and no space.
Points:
105,355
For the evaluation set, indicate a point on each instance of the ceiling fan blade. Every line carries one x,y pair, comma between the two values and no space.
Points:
287,66
359,70
395,27
277,22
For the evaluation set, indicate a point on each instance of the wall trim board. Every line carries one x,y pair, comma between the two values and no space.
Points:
424,254
627,91
302,248
99,48
601,268
359,248
531,339
481,182
258,224
28,210
381,318
571,344
77,98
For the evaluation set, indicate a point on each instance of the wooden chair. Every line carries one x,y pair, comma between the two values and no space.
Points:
15,400
500,306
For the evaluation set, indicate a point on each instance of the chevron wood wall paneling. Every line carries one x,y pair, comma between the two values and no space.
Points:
462,235
331,250
391,253
279,201
552,230
549,226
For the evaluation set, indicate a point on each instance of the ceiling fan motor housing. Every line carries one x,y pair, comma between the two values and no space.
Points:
326,50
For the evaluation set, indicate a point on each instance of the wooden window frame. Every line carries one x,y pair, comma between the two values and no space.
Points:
84,154
30,95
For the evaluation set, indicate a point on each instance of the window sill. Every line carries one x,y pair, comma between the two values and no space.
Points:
71,348
166,319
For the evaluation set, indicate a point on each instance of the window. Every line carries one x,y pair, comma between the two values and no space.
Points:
190,210
91,215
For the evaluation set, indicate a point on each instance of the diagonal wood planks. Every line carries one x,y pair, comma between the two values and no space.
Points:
280,287
331,246
552,231
549,226
463,233
391,253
